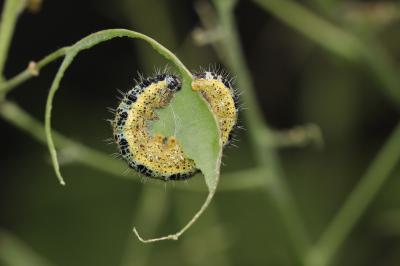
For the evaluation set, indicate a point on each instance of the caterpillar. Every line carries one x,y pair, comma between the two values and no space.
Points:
161,157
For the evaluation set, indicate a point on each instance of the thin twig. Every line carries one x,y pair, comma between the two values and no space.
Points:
195,217
339,42
260,134
32,70
100,161
9,16
213,237
357,203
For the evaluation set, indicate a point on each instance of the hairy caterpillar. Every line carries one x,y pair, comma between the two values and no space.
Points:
158,156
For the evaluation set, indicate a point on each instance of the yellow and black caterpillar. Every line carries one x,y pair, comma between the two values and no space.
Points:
158,156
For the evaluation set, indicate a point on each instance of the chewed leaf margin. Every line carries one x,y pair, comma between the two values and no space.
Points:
200,140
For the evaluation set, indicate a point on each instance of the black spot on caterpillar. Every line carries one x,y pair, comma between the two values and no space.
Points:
158,156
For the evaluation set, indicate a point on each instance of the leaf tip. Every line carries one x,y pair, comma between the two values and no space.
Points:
138,236
168,237
59,176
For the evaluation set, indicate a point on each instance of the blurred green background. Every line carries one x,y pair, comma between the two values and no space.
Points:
297,81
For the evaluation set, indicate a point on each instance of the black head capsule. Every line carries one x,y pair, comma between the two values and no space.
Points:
161,77
201,75
173,83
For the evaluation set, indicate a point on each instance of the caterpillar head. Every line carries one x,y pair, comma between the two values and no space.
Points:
173,83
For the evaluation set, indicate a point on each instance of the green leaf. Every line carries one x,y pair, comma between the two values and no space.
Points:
194,123
188,118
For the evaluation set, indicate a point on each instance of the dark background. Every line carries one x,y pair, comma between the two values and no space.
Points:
89,221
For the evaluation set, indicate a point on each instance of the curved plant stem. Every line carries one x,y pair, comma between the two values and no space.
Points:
87,43
207,157
185,228
357,203
260,133
12,113
31,71
9,16
211,237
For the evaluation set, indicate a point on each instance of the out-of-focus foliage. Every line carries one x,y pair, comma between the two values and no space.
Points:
298,82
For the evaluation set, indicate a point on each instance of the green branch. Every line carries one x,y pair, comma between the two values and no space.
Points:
83,154
338,41
351,47
314,27
32,70
357,203
9,16
260,134
103,162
